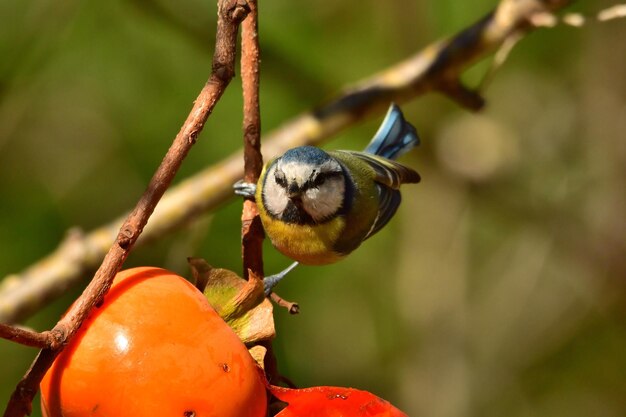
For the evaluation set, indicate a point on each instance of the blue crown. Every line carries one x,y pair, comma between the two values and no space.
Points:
306,154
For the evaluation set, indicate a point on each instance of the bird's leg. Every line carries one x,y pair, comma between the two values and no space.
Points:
270,281
244,189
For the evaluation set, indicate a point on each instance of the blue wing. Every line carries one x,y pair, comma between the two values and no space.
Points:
394,137
386,172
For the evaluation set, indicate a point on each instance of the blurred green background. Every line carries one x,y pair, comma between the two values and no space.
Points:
498,289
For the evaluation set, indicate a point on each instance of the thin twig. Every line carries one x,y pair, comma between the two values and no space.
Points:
578,20
27,337
428,70
615,12
499,58
292,307
251,229
230,15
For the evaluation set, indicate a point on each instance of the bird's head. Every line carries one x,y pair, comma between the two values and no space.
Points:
304,185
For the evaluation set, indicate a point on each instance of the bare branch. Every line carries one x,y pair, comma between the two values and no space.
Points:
428,70
27,337
292,308
252,233
464,96
615,12
549,20
499,58
230,15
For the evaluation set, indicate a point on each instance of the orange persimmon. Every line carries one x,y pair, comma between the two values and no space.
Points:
332,402
155,347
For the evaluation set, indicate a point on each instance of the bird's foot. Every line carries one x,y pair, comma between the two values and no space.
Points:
244,189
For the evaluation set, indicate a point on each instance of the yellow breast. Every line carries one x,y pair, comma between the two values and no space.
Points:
307,244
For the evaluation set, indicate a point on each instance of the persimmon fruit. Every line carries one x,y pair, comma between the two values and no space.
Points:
155,347
332,402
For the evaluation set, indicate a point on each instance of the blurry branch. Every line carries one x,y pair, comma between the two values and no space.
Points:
617,11
438,67
499,59
230,15
252,233
547,19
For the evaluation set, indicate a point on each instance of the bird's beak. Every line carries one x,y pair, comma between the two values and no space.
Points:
294,192
295,196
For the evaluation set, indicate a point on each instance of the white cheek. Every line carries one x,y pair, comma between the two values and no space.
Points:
275,197
326,200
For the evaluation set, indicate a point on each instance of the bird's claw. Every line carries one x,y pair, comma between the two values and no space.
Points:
244,189
269,283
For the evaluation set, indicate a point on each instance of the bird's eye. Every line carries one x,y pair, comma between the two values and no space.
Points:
320,179
280,178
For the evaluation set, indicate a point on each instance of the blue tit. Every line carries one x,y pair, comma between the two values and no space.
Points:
317,207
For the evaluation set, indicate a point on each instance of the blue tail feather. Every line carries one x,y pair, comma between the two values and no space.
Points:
395,136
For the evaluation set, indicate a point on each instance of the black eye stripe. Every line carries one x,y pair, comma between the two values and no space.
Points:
280,178
320,178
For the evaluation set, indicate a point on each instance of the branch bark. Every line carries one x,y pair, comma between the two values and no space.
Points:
230,15
252,233
436,68
26,337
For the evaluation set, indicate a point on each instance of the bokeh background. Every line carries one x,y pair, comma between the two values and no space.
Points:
498,289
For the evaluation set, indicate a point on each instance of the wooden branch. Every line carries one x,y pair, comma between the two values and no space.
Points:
27,337
615,12
292,308
252,233
432,69
230,15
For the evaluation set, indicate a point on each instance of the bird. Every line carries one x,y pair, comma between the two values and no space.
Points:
318,206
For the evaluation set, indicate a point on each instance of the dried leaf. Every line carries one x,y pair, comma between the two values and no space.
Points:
242,304
258,353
